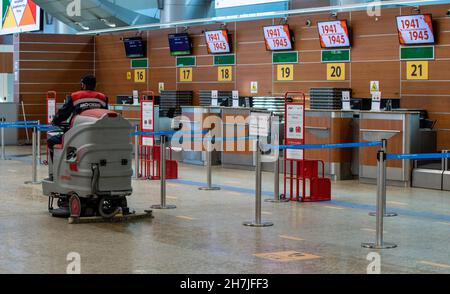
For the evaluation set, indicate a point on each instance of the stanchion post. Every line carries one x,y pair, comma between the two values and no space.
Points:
257,222
136,154
162,176
39,143
381,189
386,214
34,180
2,130
276,182
208,158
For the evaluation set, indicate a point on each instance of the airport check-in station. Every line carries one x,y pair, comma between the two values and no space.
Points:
225,137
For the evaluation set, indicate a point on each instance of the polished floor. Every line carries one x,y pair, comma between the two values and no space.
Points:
204,234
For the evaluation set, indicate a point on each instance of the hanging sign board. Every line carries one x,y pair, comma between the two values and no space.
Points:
376,101
294,129
51,109
346,100
259,124
147,121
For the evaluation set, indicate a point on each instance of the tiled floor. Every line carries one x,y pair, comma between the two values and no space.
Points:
204,234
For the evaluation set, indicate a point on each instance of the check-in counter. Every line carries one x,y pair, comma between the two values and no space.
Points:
331,126
237,153
401,129
200,119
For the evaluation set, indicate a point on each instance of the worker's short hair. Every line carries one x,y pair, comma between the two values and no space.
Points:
89,81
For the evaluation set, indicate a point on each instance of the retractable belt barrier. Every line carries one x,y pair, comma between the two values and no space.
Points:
417,156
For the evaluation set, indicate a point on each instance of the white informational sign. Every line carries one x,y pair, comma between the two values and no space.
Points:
135,97
147,141
254,87
294,154
277,38
160,87
415,29
51,110
259,124
333,34
147,115
376,101
235,102
235,94
346,100
294,121
235,3
214,98
374,86
217,41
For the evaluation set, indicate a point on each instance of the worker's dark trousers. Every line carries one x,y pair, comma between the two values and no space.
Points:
51,142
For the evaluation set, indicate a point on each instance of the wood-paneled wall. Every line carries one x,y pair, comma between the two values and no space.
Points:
49,62
374,56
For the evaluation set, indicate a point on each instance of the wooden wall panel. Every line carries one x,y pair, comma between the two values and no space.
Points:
375,56
6,62
49,62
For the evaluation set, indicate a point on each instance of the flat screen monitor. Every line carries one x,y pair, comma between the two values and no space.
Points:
134,47
334,34
180,44
19,17
218,42
415,29
278,38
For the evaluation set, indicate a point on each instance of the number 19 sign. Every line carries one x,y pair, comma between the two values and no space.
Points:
415,29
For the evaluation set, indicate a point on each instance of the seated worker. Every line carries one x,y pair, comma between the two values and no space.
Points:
78,102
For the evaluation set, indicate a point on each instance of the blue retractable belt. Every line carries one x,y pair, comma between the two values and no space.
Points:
418,156
327,146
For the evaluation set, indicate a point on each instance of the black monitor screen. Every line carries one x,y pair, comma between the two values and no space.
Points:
180,44
134,47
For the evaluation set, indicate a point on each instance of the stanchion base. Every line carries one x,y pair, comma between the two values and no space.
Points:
277,200
209,188
254,224
387,214
33,183
385,245
159,206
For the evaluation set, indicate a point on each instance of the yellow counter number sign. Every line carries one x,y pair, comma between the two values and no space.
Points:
417,70
186,74
225,73
285,72
336,72
140,75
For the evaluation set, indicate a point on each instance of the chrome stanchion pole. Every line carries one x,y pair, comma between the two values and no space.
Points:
208,151
381,189
162,176
386,214
276,182
34,180
39,143
136,155
257,222
2,130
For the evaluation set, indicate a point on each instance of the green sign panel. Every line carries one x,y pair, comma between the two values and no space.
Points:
186,61
417,53
336,55
285,57
228,59
139,63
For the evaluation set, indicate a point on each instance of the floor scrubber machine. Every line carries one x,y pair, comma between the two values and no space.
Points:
90,175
